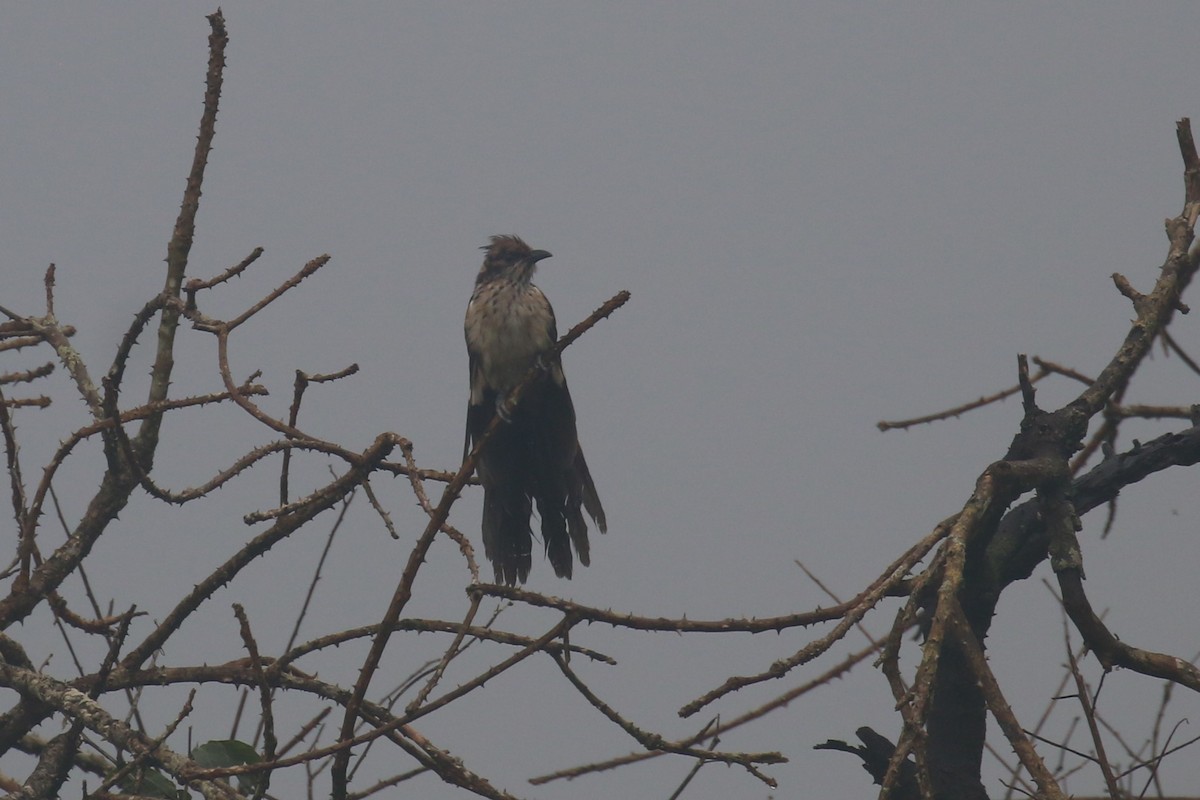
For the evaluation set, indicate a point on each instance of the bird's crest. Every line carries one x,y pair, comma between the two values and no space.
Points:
508,243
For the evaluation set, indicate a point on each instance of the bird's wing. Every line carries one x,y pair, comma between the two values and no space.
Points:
552,328
552,337
478,415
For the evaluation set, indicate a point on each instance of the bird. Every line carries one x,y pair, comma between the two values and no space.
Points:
533,458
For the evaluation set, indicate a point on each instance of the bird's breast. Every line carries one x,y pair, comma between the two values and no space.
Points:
507,326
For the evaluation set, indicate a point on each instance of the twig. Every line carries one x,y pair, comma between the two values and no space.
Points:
831,674
447,657
655,742
265,695
957,411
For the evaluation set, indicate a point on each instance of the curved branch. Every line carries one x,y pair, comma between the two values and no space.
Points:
181,239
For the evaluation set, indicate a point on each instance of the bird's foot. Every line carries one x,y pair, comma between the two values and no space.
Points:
503,409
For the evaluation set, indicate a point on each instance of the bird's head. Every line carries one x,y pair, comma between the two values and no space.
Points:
509,257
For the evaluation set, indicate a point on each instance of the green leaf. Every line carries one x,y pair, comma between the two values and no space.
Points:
152,783
230,753
224,753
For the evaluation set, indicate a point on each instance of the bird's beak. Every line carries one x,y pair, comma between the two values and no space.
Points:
538,255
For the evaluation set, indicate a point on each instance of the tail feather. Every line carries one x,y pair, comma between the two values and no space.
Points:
507,540
591,500
561,507
578,531
556,538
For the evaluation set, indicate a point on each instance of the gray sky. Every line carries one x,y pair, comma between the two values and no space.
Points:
826,216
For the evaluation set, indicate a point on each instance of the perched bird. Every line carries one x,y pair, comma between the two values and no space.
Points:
534,455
